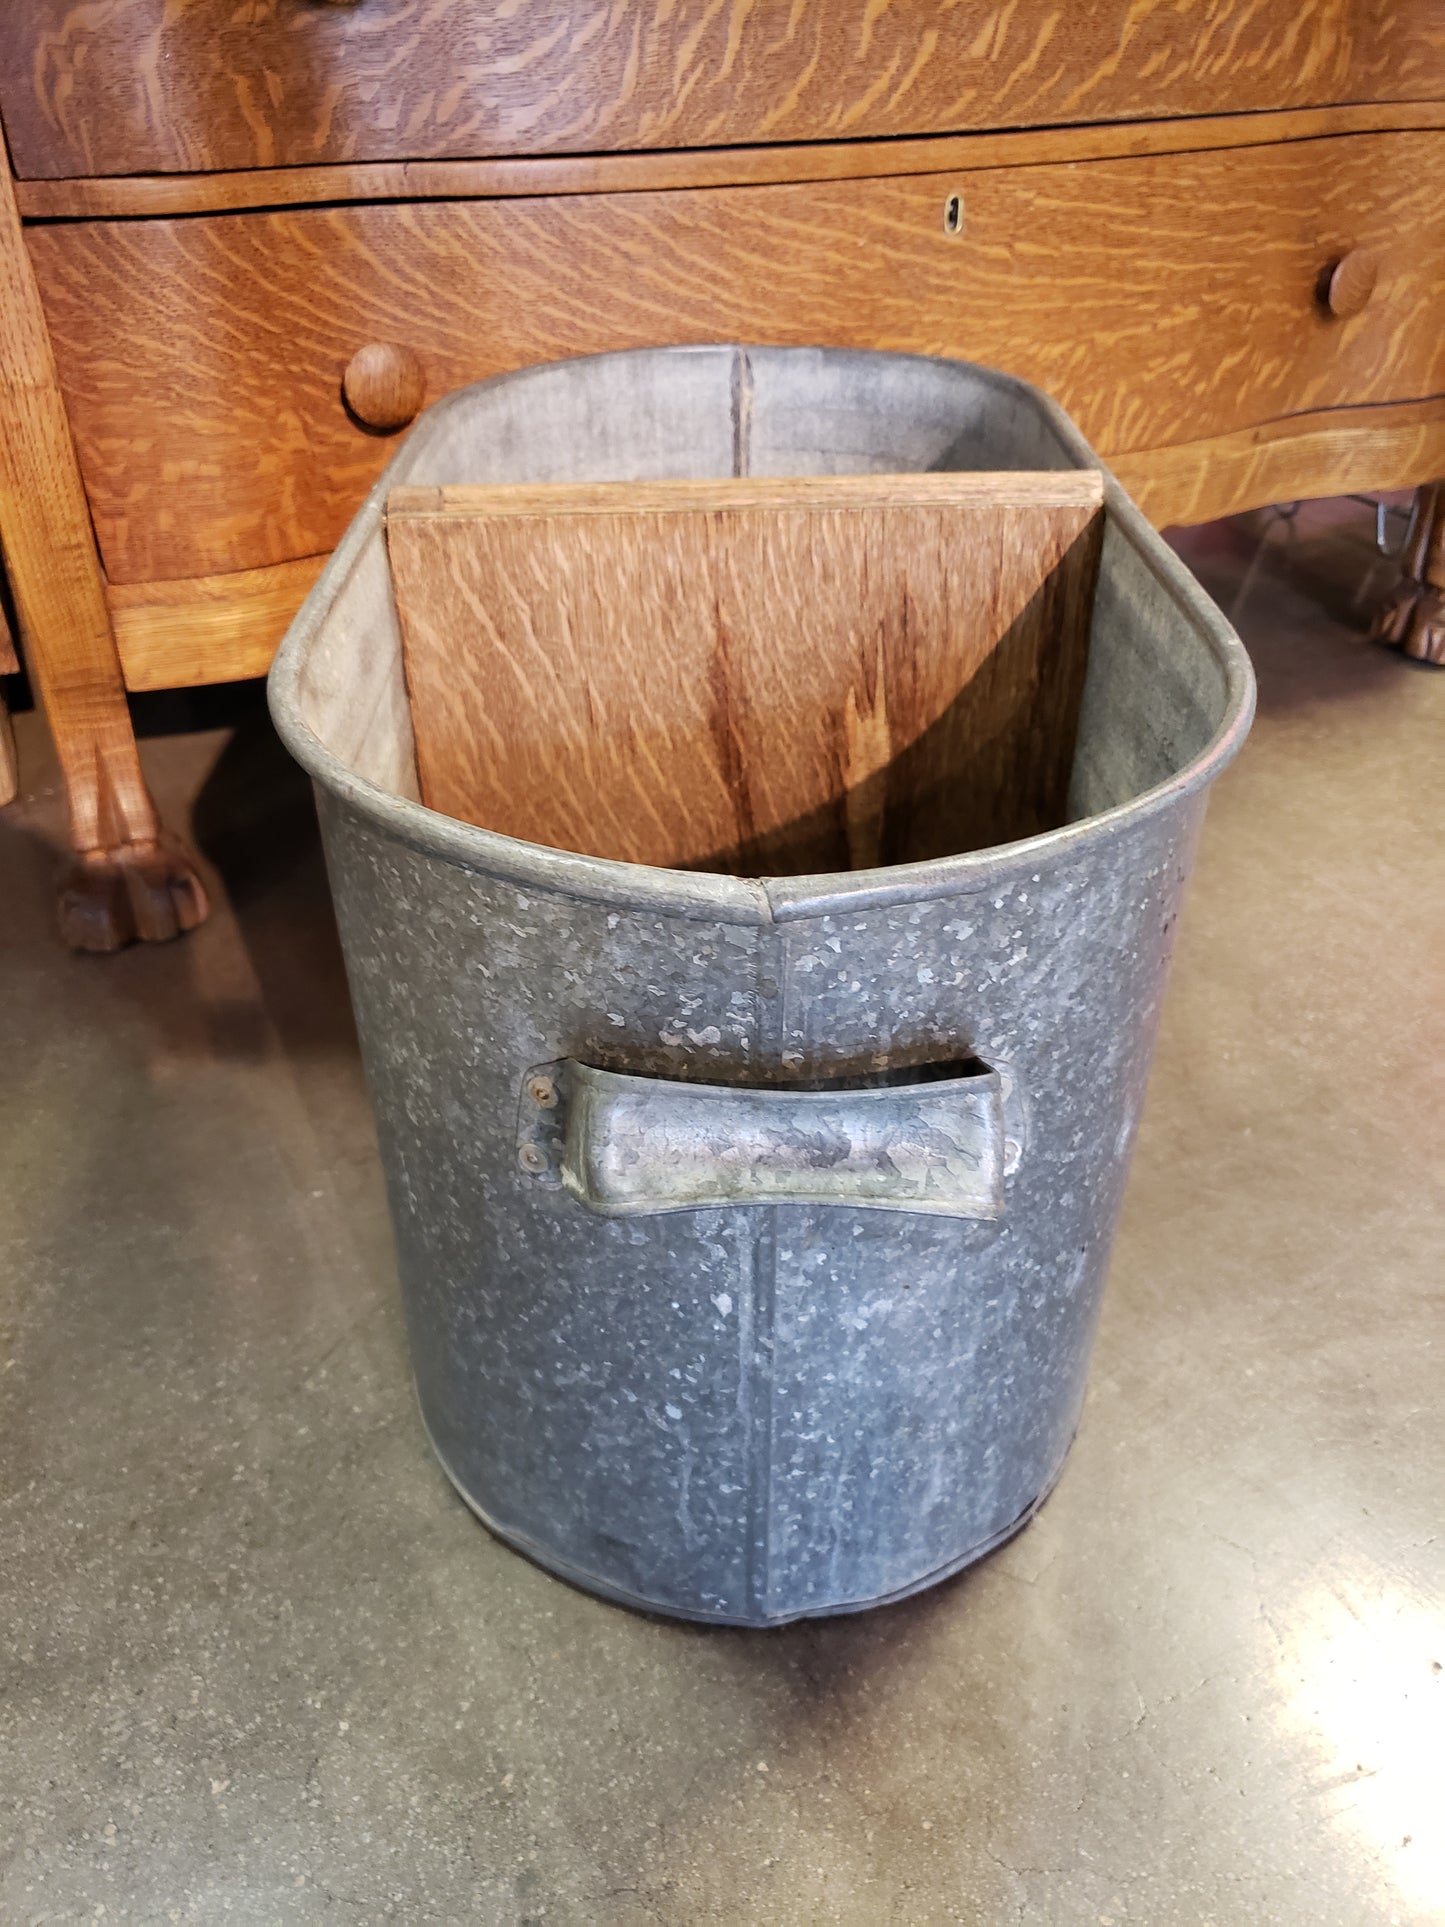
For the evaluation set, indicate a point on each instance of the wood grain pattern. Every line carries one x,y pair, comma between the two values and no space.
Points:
139,86
126,196
1115,285
1328,452
766,678
226,627
217,628
818,494
128,882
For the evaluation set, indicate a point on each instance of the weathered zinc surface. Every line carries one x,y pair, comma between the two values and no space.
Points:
756,1410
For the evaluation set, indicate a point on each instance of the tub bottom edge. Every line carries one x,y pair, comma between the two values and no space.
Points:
585,1581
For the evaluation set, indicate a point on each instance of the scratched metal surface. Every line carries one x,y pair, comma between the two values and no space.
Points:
760,1411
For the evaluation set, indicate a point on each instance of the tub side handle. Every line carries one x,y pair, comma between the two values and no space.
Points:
631,1146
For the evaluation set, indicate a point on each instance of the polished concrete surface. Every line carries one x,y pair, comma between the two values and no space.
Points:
260,1664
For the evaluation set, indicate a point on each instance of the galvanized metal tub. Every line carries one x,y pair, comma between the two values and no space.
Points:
663,1343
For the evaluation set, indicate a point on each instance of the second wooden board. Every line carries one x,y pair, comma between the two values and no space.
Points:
755,676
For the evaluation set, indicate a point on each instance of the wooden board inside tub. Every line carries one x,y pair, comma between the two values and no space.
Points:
755,676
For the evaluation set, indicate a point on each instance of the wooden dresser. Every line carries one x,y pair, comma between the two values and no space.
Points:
242,241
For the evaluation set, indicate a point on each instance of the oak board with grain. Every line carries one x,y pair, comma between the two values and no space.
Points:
224,628
212,628
124,196
202,358
764,677
94,87
1331,451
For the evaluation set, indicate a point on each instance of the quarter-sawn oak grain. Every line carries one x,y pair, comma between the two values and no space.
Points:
1166,299
126,195
210,628
1333,451
762,677
222,628
149,86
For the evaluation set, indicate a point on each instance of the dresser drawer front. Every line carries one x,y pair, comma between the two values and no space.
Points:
135,86
1160,300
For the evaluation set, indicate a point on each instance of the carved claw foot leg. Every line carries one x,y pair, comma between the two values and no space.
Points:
1413,619
141,891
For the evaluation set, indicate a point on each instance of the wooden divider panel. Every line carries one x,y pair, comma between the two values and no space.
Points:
758,676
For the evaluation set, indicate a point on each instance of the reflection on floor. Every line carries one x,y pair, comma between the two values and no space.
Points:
259,1663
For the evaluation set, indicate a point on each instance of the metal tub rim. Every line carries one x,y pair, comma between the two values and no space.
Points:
706,894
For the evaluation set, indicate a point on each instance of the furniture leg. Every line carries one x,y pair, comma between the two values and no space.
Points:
1413,620
128,879
9,768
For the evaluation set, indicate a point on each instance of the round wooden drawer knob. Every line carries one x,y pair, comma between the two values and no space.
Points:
384,385
1350,282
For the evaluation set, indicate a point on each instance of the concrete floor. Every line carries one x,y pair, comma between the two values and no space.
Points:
260,1664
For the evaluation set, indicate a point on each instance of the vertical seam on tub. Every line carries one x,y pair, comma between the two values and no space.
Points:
760,1413
742,410
771,993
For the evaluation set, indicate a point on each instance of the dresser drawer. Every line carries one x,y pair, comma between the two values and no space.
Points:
1160,300
134,86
